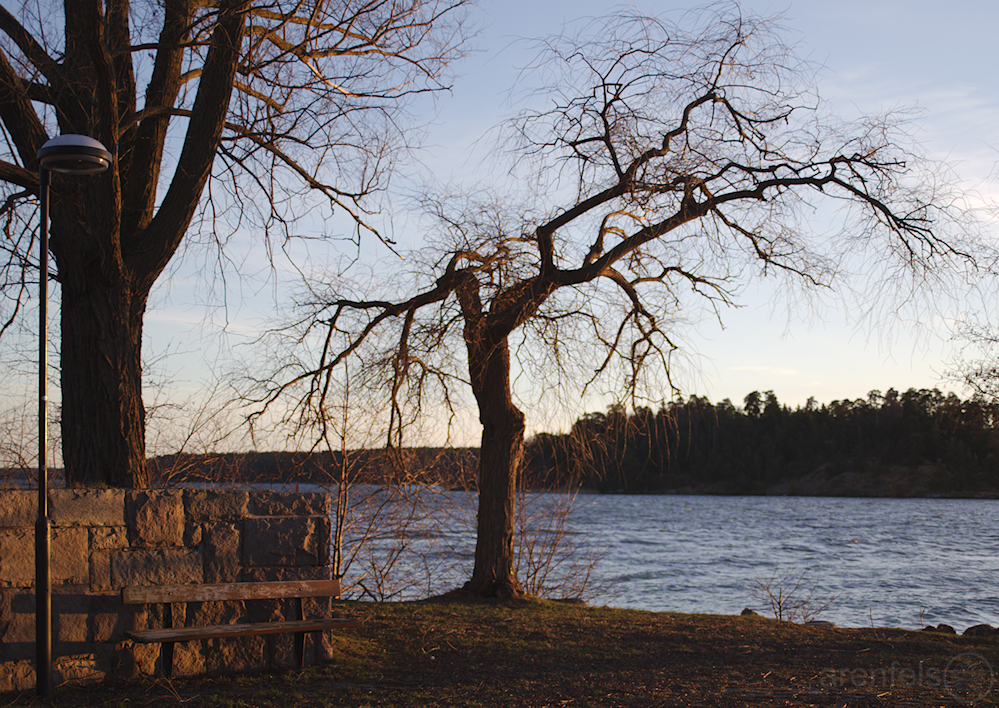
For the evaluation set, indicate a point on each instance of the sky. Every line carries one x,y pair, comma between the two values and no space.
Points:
875,54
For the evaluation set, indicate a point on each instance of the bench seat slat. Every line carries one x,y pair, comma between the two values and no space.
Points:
230,591
184,634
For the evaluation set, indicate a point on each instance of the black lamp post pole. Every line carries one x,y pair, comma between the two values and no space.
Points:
43,526
77,155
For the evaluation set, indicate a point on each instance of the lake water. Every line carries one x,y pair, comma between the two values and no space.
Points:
881,562
886,562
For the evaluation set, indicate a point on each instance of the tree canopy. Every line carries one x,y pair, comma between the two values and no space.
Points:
221,115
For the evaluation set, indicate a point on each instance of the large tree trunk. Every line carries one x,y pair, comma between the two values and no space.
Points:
103,419
500,458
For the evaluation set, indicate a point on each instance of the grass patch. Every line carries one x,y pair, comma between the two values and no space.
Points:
537,653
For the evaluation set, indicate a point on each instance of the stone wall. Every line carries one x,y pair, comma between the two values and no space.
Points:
104,540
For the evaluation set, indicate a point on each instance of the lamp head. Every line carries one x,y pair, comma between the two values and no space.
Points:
75,155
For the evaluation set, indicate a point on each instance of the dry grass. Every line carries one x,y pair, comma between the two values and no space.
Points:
536,653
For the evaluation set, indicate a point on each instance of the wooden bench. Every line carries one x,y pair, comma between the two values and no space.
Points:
169,594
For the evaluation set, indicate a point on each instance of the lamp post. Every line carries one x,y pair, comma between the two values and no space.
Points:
77,155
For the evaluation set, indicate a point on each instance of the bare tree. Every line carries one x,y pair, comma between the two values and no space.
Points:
976,366
262,100
792,597
666,165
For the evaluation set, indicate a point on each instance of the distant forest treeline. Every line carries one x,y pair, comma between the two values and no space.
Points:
450,467
918,443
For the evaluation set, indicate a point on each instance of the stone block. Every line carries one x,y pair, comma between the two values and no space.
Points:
238,654
18,508
108,627
70,632
70,620
105,541
22,600
324,539
224,612
131,660
289,541
100,571
158,566
17,557
5,615
104,654
281,653
152,617
188,658
155,518
309,572
70,562
77,668
193,534
17,625
17,676
107,538
267,503
209,505
138,617
109,619
19,637
325,646
223,553
317,606
87,507
268,611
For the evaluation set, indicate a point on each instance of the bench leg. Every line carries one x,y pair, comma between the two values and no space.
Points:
299,638
166,649
166,652
299,641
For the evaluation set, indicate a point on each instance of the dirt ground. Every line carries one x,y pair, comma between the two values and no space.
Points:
538,653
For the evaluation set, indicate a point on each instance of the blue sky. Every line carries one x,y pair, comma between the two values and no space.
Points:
876,54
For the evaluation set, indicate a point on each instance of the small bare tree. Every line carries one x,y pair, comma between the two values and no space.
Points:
18,439
551,561
663,165
392,516
792,597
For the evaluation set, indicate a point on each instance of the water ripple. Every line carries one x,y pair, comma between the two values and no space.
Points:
894,562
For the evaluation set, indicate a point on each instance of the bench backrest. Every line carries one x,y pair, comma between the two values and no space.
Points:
230,591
